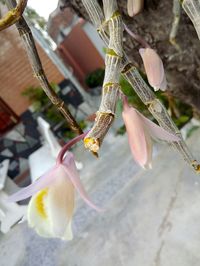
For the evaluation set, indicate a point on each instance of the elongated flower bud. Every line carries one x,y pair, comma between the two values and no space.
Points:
134,7
154,69
140,132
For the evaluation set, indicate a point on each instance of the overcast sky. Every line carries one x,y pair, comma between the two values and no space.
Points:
43,7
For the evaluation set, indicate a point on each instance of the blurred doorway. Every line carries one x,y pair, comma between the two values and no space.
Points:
8,118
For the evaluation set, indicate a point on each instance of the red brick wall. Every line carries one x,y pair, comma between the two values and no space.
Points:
16,73
78,51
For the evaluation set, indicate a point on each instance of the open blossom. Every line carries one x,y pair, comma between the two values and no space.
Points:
134,7
140,132
51,207
154,68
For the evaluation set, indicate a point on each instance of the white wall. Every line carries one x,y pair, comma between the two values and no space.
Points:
94,37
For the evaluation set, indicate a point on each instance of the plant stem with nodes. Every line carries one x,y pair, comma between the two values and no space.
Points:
145,93
192,9
13,15
106,113
29,43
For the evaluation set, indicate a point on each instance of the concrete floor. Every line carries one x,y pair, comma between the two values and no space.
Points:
152,217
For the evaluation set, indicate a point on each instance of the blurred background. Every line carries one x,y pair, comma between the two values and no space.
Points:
152,217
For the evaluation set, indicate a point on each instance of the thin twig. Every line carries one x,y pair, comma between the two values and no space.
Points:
38,70
13,15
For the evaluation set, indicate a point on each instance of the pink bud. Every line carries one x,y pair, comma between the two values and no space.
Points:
134,7
154,68
140,132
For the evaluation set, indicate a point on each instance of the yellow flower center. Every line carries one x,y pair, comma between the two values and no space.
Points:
39,202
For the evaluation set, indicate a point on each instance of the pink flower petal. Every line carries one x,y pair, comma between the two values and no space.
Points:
70,168
60,203
33,188
156,131
163,85
153,66
136,135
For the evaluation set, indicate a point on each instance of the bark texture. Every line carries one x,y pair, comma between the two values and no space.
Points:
154,24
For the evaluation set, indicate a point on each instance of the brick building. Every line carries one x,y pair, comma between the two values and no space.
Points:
15,71
78,43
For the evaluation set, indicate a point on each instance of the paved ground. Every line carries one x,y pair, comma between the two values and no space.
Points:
152,217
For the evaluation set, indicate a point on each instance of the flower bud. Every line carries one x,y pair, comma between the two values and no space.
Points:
134,7
154,68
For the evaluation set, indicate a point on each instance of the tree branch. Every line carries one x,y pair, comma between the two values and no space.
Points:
38,70
13,15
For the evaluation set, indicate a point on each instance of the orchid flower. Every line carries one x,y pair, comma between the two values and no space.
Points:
154,68
140,133
134,7
51,207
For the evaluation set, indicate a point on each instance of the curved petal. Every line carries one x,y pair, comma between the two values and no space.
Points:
72,173
33,188
156,131
148,164
68,235
153,66
60,205
136,135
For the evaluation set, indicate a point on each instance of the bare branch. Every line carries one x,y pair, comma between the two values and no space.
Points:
13,15
38,70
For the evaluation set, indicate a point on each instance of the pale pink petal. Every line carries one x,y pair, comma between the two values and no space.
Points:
163,85
156,131
33,188
70,168
134,7
136,135
153,66
60,203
